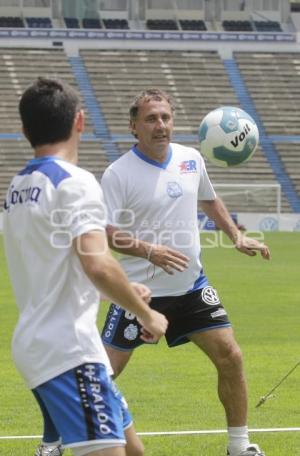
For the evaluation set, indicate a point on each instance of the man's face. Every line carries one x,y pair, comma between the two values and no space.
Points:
153,126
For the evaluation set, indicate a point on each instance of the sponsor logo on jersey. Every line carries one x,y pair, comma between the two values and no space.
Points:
131,332
210,296
174,190
188,166
24,195
218,313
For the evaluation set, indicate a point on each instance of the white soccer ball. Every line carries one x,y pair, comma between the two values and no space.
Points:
228,136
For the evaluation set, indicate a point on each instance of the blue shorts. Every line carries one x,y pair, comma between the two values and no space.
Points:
83,406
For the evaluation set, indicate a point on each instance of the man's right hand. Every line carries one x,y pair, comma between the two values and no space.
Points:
153,326
168,259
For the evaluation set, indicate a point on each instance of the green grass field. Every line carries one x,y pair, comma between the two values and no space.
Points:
175,389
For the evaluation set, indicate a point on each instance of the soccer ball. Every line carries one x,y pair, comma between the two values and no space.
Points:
228,136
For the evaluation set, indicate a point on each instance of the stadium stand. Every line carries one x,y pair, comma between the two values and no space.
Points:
19,68
196,80
273,82
290,155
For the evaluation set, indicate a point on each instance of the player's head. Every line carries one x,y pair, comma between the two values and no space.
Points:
147,95
48,109
151,121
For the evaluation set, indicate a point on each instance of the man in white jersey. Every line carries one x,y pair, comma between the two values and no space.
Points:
151,194
58,259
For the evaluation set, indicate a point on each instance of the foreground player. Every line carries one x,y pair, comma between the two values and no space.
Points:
151,193
58,259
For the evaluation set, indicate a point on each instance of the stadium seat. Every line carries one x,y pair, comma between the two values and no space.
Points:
72,22
267,26
90,23
39,22
116,24
11,22
237,26
188,24
161,24
295,7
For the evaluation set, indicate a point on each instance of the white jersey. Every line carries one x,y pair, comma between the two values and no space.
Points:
48,204
157,203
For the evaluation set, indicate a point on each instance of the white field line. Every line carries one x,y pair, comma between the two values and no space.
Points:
148,434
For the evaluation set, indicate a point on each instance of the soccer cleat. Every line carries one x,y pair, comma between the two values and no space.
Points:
49,450
252,450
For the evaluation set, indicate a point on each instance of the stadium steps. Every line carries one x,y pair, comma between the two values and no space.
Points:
268,148
97,117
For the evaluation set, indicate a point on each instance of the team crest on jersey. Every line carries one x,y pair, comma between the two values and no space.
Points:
131,332
210,296
188,166
174,190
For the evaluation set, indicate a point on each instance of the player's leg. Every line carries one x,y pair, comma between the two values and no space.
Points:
120,335
86,410
221,347
51,441
223,350
118,359
134,445
200,317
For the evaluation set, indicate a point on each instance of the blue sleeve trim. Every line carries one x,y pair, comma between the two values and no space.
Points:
49,167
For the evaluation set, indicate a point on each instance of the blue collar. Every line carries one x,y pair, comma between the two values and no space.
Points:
45,159
153,162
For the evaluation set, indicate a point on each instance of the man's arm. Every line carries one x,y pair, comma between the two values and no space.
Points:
108,276
163,256
217,211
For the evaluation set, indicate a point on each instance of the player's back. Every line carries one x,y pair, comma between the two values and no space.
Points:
45,209
29,217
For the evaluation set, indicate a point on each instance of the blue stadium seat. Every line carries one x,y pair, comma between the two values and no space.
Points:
192,24
161,24
91,23
116,24
267,26
39,22
72,22
237,26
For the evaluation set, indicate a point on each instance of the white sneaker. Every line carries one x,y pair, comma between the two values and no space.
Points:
252,450
49,450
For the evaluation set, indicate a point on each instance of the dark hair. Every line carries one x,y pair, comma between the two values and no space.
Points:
47,109
147,95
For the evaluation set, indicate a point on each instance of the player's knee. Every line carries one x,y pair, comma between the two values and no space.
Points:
231,358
